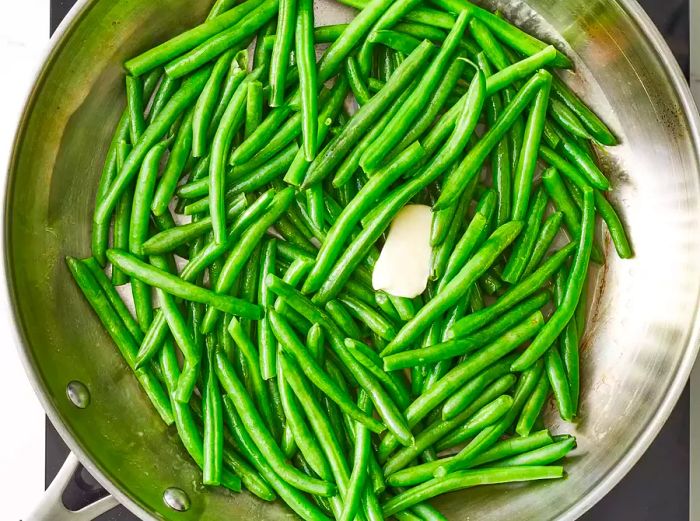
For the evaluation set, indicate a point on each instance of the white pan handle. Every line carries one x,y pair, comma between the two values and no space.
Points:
51,507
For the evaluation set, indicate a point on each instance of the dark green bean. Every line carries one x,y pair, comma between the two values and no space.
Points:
363,446
487,416
135,106
213,425
371,318
174,167
514,446
580,157
342,318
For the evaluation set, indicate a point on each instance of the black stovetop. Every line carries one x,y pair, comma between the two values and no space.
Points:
658,485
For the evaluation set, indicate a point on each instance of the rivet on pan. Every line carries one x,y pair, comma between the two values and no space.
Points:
176,499
78,394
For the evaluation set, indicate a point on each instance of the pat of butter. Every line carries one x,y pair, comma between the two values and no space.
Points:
403,266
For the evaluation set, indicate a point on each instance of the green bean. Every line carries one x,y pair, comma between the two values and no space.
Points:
122,217
340,231
307,443
135,106
404,307
470,165
205,106
567,120
467,369
184,420
533,407
384,405
514,446
465,479
329,33
579,157
442,254
267,346
180,101
542,456
471,421
487,416
593,124
255,426
318,420
359,89
279,61
493,378
544,240
487,437
574,286
504,30
369,359
297,501
527,159
449,151
523,248
178,287
308,81
339,146
213,425
351,164
371,318
124,341
333,58
315,372
399,125
358,477
237,36
167,88
114,299
435,104
172,238
342,318
515,294
464,248
174,167
254,107
397,41
456,288
239,255
189,39
466,344
559,383
143,196
383,303
230,122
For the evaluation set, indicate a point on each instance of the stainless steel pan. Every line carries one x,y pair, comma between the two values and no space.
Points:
643,330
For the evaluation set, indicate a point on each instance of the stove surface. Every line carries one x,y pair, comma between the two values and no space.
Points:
658,485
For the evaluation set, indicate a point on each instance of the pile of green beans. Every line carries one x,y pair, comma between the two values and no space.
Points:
257,333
